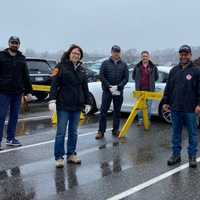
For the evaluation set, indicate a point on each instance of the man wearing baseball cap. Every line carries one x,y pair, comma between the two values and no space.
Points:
14,82
182,97
114,76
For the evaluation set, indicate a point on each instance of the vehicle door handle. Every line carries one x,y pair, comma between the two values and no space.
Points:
158,88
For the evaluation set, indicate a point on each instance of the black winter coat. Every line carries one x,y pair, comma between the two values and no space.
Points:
14,75
182,91
153,76
114,74
70,88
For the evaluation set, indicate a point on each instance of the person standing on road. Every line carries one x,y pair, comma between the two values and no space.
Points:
182,97
145,75
68,96
14,82
114,76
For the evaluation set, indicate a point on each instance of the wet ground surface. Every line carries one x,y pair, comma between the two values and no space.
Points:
109,167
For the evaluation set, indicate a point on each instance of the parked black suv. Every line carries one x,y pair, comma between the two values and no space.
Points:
40,74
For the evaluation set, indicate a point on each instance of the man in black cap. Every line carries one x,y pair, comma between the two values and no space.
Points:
14,82
114,76
182,97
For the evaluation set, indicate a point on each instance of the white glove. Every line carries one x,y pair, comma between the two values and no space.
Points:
28,97
113,88
52,105
87,109
116,93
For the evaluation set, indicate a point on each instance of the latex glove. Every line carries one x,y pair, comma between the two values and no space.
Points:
28,97
197,110
116,93
166,107
87,109
52,105
113,88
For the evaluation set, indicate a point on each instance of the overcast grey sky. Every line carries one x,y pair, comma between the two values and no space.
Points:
98,24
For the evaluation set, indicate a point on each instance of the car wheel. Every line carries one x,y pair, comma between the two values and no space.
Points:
93,104
165,115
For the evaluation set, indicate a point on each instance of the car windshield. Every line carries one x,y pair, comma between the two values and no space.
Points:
163,76
52,63
36,66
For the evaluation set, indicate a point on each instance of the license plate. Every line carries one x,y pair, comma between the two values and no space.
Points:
39,78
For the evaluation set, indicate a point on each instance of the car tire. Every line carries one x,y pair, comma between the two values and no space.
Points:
165,115
41,96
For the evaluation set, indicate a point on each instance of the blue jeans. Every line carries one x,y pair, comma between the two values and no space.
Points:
12,103
189,120
72,120
149,104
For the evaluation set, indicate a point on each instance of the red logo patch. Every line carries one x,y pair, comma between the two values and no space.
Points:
189,77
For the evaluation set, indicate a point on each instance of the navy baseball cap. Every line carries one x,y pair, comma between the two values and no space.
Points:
14,39
116,48
185,48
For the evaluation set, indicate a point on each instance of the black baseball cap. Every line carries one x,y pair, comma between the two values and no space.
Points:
14,39
185,48
116,48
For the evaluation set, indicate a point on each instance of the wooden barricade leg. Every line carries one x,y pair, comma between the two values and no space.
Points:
131,117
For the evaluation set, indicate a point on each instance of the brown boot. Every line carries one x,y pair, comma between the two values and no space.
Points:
99,136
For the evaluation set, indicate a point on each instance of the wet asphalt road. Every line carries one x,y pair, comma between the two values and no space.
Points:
130,167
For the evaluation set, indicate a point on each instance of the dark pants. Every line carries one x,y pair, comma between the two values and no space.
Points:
72,120
105,105
189,120
11,103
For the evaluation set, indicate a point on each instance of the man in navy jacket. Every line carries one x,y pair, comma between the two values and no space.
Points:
182,97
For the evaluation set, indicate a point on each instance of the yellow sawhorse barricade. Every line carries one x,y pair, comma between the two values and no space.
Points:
46,88
141,104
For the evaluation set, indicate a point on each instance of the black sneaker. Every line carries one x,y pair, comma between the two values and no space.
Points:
192,162
173,160
14,142
1,148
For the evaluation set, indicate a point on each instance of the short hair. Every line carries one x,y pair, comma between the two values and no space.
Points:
145,52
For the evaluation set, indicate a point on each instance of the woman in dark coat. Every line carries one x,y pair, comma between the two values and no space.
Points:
69,96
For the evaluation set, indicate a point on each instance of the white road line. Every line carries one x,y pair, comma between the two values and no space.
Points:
32,118
150,182
43,143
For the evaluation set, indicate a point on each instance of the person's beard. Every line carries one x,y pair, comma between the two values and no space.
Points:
13,49
184,62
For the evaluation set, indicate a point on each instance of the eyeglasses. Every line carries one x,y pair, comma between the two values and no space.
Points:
75,53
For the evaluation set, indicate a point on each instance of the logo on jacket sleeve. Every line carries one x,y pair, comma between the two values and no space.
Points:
189,77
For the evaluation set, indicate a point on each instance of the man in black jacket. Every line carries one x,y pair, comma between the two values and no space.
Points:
14,81
145,75
182,97
114,76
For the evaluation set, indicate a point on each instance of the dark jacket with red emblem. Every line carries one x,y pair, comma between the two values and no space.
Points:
69,87
182,91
